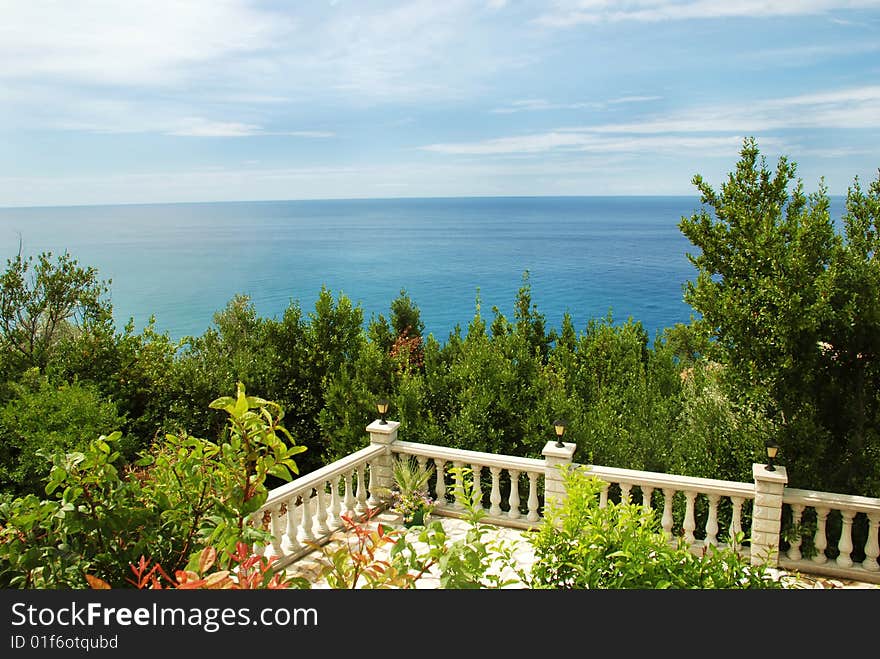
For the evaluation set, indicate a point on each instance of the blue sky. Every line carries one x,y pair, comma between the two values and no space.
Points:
139,101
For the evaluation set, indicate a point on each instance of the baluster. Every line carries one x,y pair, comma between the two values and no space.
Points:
625,489
736,522
646,496
290,544
533,516
712,520
458,488
513,499
361,493
666,521
335,502
872,547
307,532
845,543
440,468
321,517
495,495
256,521
603,495
348,500
477,492
794,544
274,548
422,461
689,522
820,542
372,500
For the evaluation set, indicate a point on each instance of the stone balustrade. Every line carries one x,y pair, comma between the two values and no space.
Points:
307,510
662,491
820,529
756,518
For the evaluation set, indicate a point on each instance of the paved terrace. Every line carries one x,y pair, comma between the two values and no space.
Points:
309,566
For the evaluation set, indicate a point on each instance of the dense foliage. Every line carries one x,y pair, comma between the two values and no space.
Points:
581,545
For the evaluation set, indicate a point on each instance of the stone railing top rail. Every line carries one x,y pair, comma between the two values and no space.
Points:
468,457
660,481
322,475
830,500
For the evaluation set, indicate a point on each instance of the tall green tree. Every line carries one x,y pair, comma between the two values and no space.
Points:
790,304
42,299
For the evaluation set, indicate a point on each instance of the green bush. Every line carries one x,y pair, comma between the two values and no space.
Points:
49,418
622,546
105,514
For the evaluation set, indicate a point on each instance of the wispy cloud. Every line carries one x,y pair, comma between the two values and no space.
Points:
569,13
705,129
540,104
543,143
199,127
138,42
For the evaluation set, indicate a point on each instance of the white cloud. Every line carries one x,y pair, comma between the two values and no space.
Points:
706,129
540,104
197,127
542,143
131,43
568,13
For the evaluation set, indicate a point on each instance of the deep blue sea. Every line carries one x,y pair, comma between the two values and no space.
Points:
183,262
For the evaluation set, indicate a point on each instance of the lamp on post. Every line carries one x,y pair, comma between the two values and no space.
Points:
772,450
382,406
559,428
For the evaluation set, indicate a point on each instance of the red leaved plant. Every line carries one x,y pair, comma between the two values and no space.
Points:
248,572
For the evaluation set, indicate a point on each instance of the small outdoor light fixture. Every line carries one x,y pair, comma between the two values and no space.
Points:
772,449
559,427
382,407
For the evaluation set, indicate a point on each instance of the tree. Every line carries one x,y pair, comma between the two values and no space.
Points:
40,299
791,309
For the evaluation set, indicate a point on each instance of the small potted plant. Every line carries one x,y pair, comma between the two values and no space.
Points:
410,496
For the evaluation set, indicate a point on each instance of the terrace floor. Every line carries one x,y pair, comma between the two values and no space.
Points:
310,565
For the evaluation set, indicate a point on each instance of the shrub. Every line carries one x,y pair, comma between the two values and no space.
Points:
622,546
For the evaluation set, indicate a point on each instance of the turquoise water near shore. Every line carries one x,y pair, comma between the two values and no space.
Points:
184,262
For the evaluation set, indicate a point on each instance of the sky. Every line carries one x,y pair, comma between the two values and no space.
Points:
151,101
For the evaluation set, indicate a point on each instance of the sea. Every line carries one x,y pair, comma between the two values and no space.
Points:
181,263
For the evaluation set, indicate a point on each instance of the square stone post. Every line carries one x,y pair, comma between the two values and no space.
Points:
554,458
767,514
381,470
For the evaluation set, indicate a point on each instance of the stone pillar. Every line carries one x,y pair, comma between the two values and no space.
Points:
767,514
381,471
555,459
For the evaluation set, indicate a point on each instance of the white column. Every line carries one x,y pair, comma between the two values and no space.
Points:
712,521
290,543
794,545
556,459
736,522
274,548
513,499
767,514
382,469
533,515
495,494
477,492
335,502
872,547
845,545
820,540
666,521
440,470
321,515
